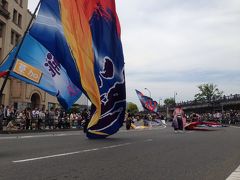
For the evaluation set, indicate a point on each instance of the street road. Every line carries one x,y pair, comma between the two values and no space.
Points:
158,154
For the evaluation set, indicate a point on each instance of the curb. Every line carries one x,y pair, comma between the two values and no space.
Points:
39,131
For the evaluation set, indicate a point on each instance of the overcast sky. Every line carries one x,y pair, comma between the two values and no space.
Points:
175,45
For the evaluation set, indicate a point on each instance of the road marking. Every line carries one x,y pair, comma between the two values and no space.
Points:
235,175
71,153
148,140
234,127
76,152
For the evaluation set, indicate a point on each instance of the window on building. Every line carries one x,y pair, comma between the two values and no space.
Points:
2,25
19,20
1,55
21,3
51,105
4,4
15,37
15,16
12,37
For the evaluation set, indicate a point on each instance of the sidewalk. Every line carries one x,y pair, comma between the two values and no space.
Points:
19,131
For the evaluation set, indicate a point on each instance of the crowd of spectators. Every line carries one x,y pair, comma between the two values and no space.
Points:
231,117
37,119
225,117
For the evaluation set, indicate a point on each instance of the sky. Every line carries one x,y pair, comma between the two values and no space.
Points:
172,46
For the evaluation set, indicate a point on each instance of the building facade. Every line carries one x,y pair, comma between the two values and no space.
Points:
14,19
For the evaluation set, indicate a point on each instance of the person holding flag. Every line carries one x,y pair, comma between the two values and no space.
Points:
179,119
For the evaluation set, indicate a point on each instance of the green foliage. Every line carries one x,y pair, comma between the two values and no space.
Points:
169,101
132,108
76,108
208,92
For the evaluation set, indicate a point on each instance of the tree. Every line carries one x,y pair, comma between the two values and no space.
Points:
77,108
208,92
132,108
169,101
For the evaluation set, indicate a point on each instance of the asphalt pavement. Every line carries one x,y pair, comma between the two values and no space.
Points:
151,154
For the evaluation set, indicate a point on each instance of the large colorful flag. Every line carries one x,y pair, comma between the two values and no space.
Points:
147,102
84,37
37,66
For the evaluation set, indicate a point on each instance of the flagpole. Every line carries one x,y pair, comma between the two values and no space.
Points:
18,49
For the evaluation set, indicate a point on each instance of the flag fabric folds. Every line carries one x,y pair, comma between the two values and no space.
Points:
84,39
37,66
147,102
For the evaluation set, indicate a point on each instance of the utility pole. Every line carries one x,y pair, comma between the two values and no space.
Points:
17,51
174,96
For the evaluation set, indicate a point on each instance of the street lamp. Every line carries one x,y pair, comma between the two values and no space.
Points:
160,101
148,91
175,94
159,105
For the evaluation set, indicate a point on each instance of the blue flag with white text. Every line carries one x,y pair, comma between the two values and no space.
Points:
37,66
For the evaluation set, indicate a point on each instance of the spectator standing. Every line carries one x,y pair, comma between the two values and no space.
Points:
41,118
86,119
51,118
129,117
47,119
10,113
1,116
5,112
28,118
72,119
22,120
60,119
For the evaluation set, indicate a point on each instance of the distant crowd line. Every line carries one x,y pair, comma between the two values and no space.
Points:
225,117
231,117
37,119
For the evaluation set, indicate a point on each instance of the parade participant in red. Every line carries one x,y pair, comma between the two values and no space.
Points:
179,119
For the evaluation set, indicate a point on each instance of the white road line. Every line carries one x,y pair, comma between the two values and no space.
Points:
76,152
148,140
235,175
70,153
188,132
234,126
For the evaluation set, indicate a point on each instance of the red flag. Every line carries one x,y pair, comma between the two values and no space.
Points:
4,73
